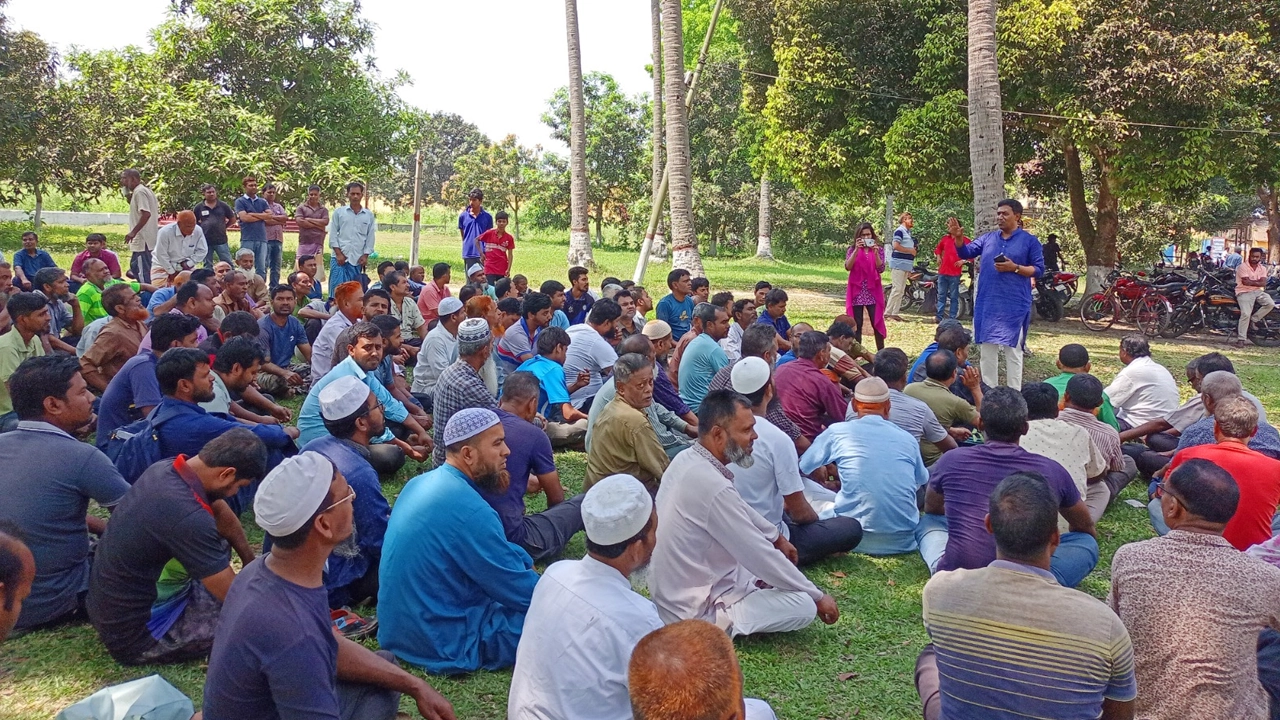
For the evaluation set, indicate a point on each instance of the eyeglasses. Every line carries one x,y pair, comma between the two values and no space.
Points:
1162,488
351,495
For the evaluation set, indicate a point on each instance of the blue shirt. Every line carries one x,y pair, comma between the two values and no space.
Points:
450,580
785,358
252,230
551,388
1002,308
472,228
135,386
530,453
311,423
281,342
560,320
576,309
192,428
676,313
700,362
880,472
159,297
371,513
33,264
897,260
781,324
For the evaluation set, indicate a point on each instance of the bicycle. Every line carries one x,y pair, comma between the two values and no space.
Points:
1128,298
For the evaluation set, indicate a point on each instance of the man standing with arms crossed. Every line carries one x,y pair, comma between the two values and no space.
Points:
144,218
354,231
214,217
472,223
1255,303
254,213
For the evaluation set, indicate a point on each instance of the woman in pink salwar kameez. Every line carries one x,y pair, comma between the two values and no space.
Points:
865,262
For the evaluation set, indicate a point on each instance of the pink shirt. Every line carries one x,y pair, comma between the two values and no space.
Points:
106,256
429,300
1245,272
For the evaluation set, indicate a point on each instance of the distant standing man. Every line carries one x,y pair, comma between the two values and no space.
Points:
144,223
472,223
1255,303
254,212
274,250
1009,257
214,217
499,248
354,230
949,267
1052,253
901,260
312,218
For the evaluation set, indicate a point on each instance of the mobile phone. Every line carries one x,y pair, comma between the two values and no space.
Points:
1001,258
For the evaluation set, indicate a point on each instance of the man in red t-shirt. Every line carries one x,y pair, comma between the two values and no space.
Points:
1235,422
498,249
949,264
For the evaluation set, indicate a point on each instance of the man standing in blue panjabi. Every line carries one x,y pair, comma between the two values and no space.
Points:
453,592
1010,258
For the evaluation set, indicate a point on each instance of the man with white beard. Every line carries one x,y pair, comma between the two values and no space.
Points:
716,558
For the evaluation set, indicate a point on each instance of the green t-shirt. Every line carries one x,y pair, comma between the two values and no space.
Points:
951,410
1106,413
91,299
12,352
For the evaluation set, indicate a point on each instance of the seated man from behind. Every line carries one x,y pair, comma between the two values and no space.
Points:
1082,396
1256,476
146,607
689,671
1144,390
1206,663
622,439
952,413
954,338
808,396
881,472
673,432
453,591
1214,388
353,417
1066,444
994,626
274,651
908,413
566,425
1073,359
134,391
543,535
761,340
770,480
48,480
717,559
952,532
119,338
585,619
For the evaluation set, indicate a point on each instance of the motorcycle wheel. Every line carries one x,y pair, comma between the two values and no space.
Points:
1177,326
1097,313
1152,315
930,299
909,297
965,309
1069,293
1050,307
1268,335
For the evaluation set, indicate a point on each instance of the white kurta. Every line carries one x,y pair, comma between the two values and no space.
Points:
578,635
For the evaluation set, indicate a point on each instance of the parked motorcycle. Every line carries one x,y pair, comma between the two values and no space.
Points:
922,288
1209,303
1050,294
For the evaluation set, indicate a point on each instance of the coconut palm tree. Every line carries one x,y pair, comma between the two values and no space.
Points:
986,131
764,240
658,250
579,236
684,241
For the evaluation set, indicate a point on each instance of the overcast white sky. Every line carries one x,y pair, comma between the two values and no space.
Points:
495,62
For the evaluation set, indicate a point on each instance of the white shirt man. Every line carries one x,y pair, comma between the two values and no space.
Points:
587,351
176,252
439,350
1143,391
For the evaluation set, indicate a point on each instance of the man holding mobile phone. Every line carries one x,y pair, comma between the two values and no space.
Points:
1009,256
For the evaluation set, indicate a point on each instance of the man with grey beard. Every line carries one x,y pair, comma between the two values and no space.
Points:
717,559
353,417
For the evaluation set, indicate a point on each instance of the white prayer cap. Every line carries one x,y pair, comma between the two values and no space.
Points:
342,397
291,494
616,509
871,390
749,375
467,423
449,306
473,330
656,329
475,268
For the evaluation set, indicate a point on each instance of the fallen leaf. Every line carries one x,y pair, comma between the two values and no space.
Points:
838,574
847,676
892,583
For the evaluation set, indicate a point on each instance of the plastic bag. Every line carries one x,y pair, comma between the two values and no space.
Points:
148,698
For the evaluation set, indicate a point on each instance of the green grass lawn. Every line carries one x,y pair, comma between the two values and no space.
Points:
873,646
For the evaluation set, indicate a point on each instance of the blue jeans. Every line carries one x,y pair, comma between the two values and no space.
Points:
948,287
274,254
1075,558
223,252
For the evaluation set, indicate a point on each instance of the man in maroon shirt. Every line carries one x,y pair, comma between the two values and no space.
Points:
949,265
808,395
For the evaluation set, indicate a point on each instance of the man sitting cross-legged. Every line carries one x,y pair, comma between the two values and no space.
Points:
49,478
908,413
1082,396
275,653
770,480
119,338
761,340
951,532
585,619
453,591
717,559
622,439
566,425
952,412
881,472
1010,641
1066,444
439,350
808,396
460,385
162,569
673,432
1205,662
543,535
1073,359
283,336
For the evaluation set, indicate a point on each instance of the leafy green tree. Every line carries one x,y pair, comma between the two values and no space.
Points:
507,173
443,138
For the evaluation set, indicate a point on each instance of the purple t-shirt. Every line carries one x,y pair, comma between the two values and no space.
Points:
966,476
135,386
530,453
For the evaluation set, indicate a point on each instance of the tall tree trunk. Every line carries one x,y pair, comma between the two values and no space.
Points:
684,240
35,218
1270,197
986,132
658,250
764,240
1097,238
600,224
579,235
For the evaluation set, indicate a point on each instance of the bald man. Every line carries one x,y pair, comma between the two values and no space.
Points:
17,572
688,671
179,246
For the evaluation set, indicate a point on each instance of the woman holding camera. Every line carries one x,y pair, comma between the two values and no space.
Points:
865,263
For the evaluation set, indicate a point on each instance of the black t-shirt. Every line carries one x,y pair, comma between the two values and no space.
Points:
213,220
1051,252
274,655
163,517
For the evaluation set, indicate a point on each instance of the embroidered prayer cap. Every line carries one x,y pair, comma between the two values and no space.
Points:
473,330
467,423
656,329
291,493
616,509
749,375
342,397
871,390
